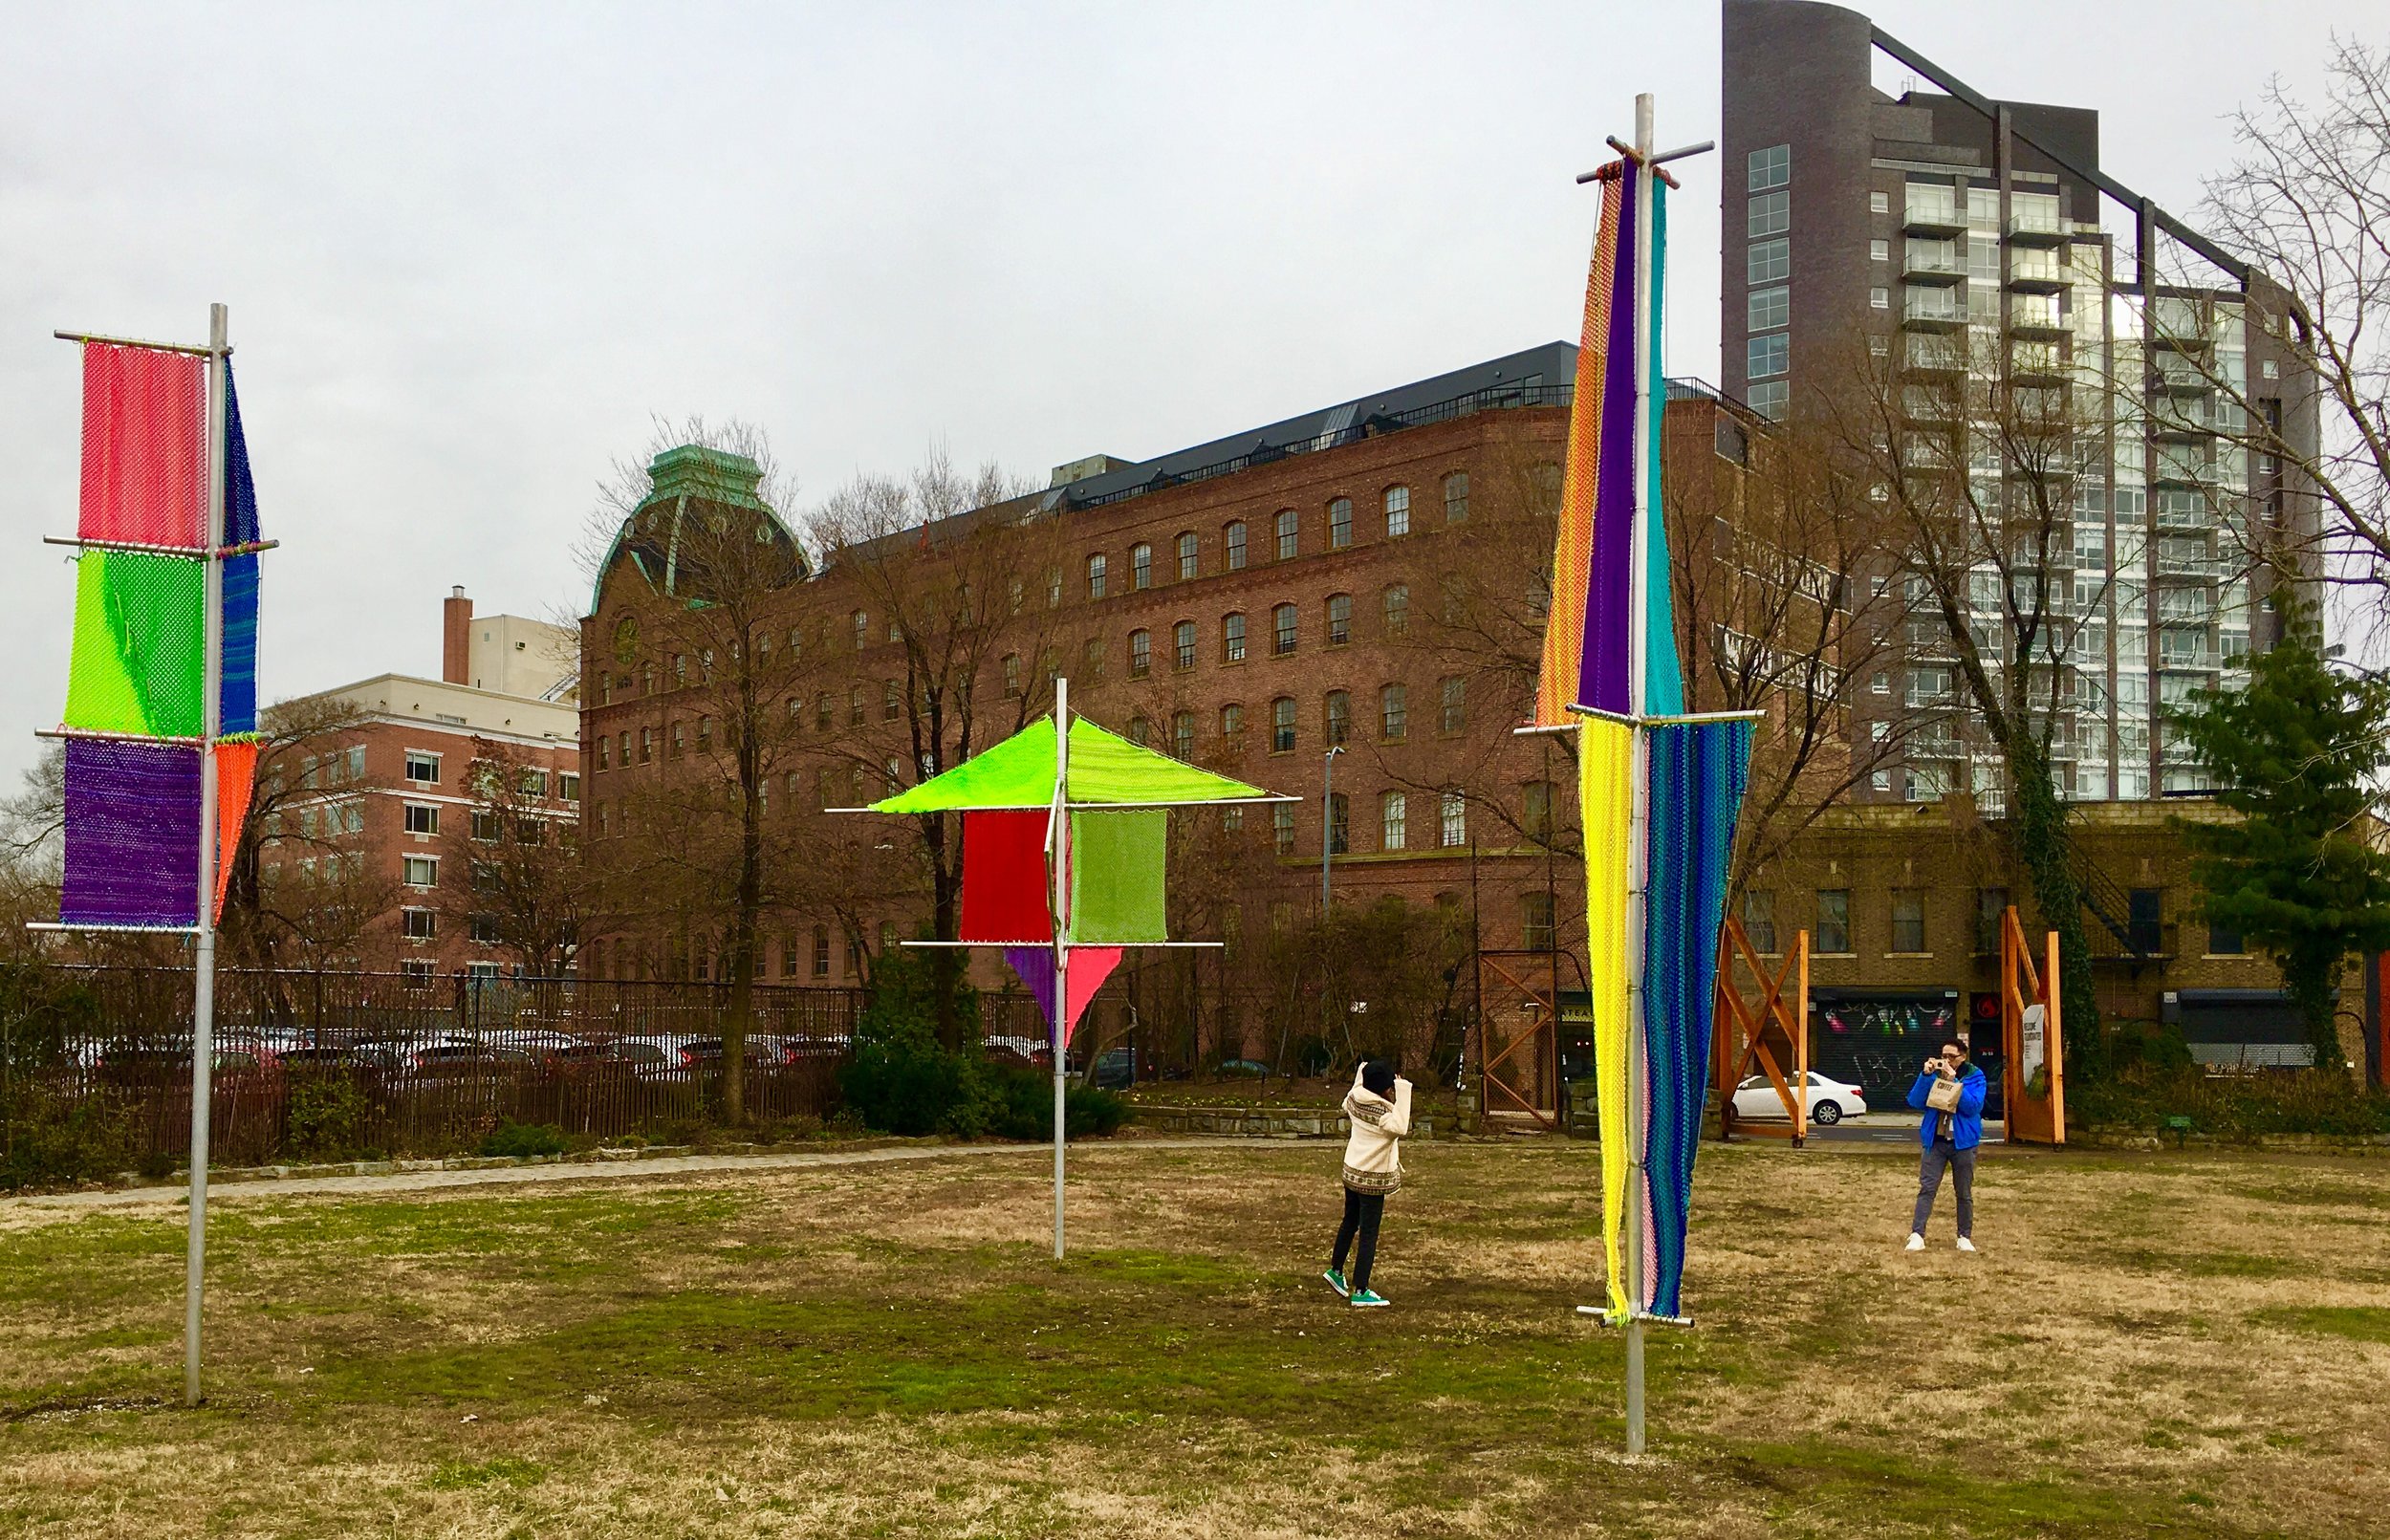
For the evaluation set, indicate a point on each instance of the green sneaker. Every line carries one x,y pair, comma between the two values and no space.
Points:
1335,1281
1369,1297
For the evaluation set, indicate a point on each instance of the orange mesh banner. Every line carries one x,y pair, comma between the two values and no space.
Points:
1556,686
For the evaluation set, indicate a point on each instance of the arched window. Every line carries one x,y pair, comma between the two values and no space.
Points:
1190,558
891,700
1141,652
1394,817
1288,524
1394,713
1340,823
1183,645
1282,725
1140,566
1140,731
1282,622
861,621
1054,588
1456,498
1398,512
1339,523
855,705
1183,735
1233,538
1092,662
1012,675
1397,609
1454,713
1232,639
1452,819
1233,726
1340,620
1339,718
1096,575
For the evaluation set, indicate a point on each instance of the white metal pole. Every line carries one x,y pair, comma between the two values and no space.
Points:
1637,1114
204,943
1061,904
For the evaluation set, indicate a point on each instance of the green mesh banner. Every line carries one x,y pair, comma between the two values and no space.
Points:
139,641
1117,866
1105,767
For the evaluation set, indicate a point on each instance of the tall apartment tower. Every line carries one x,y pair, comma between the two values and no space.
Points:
1940,235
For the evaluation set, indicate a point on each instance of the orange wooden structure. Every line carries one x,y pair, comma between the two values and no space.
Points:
2035,1116
1519,1036
1754,1030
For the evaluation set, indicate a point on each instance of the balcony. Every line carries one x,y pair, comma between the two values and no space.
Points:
1934,262
2177,467
2039,273
1932,310
1927,215
2037,227
2189,568
2036,315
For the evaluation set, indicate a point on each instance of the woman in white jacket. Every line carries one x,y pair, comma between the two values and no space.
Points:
1380,1107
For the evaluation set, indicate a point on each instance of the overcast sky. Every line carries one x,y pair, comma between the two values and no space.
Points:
470,250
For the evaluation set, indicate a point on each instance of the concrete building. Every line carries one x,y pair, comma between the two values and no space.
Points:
1963,241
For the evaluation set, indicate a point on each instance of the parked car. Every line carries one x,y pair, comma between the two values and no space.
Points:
1237,1067
1829,1101
1116,1069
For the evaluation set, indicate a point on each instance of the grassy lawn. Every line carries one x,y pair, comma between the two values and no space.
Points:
2166,1344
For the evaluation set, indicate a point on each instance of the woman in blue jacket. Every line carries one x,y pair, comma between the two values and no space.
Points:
1950,1139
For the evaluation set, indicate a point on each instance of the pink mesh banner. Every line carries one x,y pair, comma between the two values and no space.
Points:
144,446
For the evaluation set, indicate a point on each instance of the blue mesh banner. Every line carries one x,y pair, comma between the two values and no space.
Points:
238,710
1698,772
240,505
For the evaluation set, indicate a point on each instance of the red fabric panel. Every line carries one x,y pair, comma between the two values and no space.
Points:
144,446
1003,877
236,769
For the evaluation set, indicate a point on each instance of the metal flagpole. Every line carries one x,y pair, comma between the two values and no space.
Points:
203,941
1639,816
1060,834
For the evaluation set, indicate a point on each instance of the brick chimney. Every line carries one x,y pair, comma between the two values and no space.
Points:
456,637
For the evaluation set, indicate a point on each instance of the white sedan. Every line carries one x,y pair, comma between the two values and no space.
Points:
1829,1101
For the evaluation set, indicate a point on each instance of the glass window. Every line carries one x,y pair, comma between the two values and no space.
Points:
1397,606
1452,819
1770,213
1183,645
1190,556
1140,566
1282,725
1183,735
822,951
1232,639
422,768
1340,620
1282,625
1340,823
1288,525
1012,675
1759,918
1393,820
1770,397
1235,542
569,786
1140,731
419,925
422,819
1054,588
1879,298
1454,715
1879,202
1398,512
1770,167
1536,932
1456,497
2223,941
1991,907
1767,261
1340,525
2145,918
1770,307
1770,355
1536,806
1833,920
1394,713
1339,718
1096,575
420,871
1141,652
1232,724
1880,250
1282,828
486,826
1909,920
1093,658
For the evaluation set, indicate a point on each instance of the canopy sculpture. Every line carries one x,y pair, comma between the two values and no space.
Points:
161,719
1660,788
1065,846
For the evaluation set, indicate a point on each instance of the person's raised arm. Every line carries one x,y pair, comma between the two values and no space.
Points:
1397,1122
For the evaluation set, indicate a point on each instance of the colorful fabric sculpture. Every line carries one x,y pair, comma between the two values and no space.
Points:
137,697
1638,754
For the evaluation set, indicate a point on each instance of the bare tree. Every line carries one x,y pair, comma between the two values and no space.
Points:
529,890
942,595
702,577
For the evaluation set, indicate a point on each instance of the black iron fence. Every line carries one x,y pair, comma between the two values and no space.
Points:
341,1065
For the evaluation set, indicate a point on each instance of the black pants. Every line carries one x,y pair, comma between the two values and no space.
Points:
1940,1154
1362,1212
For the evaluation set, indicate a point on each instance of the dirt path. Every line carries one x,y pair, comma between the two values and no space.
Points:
608,1171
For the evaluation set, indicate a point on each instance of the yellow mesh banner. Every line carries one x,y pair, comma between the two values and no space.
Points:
1605,760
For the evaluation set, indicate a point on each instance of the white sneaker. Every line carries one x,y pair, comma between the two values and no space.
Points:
1917,1242
1965,1245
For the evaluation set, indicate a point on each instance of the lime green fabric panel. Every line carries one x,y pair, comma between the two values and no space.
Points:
1018,772
1117,866
1107,767
140,643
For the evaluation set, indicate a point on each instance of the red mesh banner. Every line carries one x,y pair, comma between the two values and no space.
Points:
144,446
1003,877
236,771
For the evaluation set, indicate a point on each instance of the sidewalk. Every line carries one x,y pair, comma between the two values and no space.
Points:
607,1171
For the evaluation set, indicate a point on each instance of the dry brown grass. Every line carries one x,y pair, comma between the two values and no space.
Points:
2185,1344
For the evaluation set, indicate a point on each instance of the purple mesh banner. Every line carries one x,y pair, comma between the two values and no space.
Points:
1610,588
132,835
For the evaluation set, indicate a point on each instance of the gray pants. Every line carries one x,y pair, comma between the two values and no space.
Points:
1939,1154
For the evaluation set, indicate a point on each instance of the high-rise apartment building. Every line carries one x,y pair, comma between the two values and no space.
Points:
1955,255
